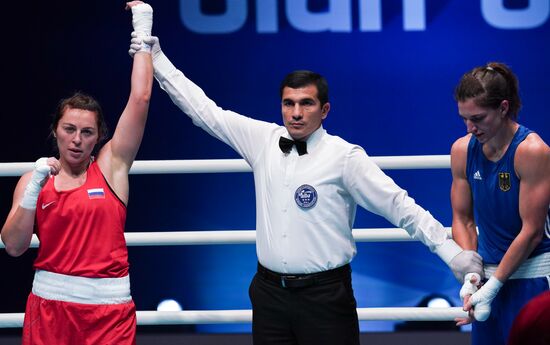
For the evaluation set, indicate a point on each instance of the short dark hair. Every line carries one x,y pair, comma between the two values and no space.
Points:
489,85
302,78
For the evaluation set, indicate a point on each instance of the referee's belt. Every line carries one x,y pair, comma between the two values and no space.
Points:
304,280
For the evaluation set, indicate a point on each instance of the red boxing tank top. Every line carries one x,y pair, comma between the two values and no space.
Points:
81,230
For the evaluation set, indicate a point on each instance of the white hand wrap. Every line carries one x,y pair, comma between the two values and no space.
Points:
41,171
469,288
142,21
481,300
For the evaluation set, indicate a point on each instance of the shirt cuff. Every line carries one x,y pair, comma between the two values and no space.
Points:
448,250
162,66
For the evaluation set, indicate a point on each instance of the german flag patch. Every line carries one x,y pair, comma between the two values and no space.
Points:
504,181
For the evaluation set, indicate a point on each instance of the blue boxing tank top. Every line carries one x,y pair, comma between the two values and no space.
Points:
495,193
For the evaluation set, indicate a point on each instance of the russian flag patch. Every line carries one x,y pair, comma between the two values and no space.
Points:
96,193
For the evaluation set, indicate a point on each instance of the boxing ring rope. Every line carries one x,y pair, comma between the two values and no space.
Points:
177,238
195,317
239,165
15,320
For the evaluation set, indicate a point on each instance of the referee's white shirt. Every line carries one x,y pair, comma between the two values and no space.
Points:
291,238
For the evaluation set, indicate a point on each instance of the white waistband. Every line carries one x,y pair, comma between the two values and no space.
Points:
61,287
536,267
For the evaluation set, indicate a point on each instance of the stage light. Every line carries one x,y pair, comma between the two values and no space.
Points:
438,302
169,305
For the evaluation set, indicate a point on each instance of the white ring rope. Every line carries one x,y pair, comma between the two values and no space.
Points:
195,317
15,320
239,165
177,238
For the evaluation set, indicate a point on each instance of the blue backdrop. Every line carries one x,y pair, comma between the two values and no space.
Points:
391,66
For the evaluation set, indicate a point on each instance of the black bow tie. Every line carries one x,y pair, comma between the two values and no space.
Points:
286,145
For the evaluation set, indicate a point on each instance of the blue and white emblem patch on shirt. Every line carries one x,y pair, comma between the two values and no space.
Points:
96,193
305,196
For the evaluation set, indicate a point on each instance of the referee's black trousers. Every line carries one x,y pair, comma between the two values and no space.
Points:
323,312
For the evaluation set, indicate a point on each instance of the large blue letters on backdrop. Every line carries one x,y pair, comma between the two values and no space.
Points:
338,17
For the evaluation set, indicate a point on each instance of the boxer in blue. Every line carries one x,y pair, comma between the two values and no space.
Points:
500,184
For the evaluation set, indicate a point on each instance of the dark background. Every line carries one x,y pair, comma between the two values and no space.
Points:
391,92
